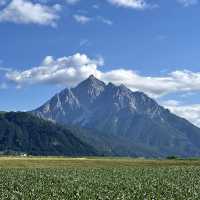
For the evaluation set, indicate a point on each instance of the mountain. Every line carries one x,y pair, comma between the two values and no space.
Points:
24,133
121,122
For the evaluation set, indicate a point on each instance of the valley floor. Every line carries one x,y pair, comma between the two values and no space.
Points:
42,178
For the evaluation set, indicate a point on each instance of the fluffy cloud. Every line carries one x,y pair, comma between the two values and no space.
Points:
134,4
66,70
187,3
73,69
25,12
177,81
189,112
82,19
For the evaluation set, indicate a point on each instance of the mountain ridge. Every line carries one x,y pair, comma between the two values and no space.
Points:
127,116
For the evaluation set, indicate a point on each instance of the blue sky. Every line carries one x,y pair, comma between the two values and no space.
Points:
149,45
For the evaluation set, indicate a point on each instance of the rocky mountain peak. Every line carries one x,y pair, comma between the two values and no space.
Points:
92,77
88,90
91,81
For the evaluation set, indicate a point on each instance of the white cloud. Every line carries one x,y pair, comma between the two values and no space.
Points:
71,70
134,4
187,3
82,19
177,81
66,70
26,12
189,112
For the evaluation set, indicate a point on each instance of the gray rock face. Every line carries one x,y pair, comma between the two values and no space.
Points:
125,115
89,90
92,101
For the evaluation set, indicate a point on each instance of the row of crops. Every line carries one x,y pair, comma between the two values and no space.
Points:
177,183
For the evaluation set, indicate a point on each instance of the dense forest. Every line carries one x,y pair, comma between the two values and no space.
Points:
23,133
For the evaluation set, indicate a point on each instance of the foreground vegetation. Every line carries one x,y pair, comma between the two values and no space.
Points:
84,179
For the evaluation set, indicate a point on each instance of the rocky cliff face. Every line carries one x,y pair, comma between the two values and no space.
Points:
92,100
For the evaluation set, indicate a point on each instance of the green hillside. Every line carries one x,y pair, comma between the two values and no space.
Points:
23,133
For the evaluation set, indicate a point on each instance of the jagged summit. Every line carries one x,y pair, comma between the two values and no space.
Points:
92,77
120,89
91,81
88,90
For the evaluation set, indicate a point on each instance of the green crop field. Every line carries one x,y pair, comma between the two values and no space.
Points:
98,178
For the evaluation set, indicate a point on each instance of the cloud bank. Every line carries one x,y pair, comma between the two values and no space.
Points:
66,71
70,70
